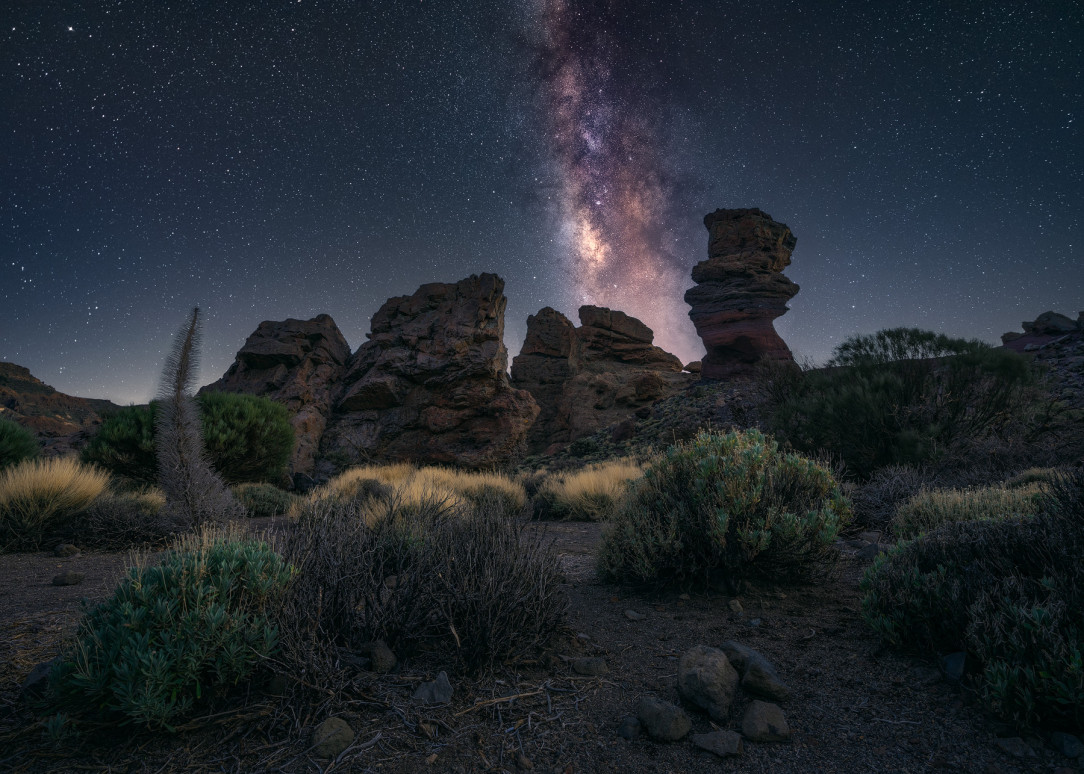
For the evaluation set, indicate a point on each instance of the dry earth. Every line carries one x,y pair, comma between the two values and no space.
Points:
855,707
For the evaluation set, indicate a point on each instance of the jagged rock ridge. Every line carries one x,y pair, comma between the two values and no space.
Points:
593,376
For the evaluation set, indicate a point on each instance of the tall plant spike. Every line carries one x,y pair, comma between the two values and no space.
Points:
195,494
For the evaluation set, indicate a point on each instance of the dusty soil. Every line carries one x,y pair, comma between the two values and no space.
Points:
855,707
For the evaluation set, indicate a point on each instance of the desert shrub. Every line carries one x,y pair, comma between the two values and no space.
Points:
1028,636
876,499
261,500
16,444
247,439
593,493
729,505
930,509
119,520
174,635
124,444
908,397
457,582
1008,592
39,497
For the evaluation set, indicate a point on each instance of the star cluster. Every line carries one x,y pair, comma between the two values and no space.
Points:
273,159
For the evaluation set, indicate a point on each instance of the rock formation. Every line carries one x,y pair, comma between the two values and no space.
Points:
740,290
62,423
593,376
300,364
1042,329
430,385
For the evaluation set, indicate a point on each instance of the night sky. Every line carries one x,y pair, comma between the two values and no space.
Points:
265,160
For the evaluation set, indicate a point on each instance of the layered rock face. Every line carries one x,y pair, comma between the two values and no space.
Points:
62,423
740,290
430,385
593,376
299,363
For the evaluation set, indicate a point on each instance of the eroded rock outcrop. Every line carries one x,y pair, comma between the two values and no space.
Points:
593,376
740,290
63,423
430,385
300,364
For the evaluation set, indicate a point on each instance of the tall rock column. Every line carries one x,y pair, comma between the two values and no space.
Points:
740,290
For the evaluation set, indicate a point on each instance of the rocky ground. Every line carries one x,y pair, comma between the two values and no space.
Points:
852,706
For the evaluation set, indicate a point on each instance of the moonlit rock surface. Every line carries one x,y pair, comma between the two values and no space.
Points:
430,385
740,290
298,363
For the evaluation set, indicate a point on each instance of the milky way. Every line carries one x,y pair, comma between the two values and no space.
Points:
616,191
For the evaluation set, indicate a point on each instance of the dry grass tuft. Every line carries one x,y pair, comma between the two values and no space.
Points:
930,509
593,493
38,496
418,487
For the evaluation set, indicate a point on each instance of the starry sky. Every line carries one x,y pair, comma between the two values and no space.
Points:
284,158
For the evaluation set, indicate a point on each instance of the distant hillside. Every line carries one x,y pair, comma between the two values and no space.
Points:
60,421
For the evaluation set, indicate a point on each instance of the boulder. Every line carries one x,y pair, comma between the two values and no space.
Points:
298,363
740,290
430,385
758,676
663,722
707,680
764,722
593,376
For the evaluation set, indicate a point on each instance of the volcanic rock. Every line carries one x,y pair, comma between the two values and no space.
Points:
298,363
740,290
430,385
62,423
1042,330
593,376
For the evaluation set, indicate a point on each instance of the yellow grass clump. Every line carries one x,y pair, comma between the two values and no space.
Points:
412,486
592,493
37,496
930,509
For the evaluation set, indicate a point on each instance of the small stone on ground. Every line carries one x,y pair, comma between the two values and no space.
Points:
664,722
764,722
68,578
332,737
437,691
722,743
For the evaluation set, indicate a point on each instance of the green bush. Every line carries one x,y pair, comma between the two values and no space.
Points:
124,444
174,635
729,505
930,509
248,439
16,444
907,397
1008,592
261,500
